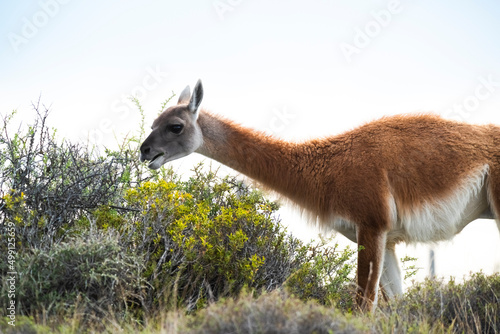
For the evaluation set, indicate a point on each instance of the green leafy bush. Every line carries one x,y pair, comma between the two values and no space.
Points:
324,274
209,237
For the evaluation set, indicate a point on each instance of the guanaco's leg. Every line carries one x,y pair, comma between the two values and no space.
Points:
370,263
494,194
391,281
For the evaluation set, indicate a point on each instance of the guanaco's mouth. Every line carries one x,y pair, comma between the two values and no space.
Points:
157,156
152,161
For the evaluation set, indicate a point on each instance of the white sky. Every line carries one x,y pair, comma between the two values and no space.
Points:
259,60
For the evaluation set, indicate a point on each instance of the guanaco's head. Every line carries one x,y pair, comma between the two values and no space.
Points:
175,133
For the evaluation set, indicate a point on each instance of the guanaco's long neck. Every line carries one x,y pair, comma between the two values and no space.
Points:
270,161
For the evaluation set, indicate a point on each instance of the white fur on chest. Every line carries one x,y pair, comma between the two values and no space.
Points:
434,221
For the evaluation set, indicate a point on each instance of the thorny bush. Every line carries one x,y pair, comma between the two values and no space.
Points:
45,186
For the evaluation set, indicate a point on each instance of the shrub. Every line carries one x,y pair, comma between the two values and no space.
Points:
275,312
91,275
472,306
209,237
45,186
324,274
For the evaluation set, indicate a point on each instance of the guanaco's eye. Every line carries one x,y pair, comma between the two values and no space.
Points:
175,128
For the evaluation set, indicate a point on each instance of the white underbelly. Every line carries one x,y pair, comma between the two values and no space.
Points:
433,221
441,220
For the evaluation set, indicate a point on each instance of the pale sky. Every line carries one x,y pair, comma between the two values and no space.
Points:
293,68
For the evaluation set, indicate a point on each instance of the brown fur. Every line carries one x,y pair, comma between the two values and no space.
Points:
350,174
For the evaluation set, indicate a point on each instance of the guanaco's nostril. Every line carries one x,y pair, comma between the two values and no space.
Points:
146,150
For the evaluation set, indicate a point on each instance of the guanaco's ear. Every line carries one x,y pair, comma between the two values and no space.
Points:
196,98
185,95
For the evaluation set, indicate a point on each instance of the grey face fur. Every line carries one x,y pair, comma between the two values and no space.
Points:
175,133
